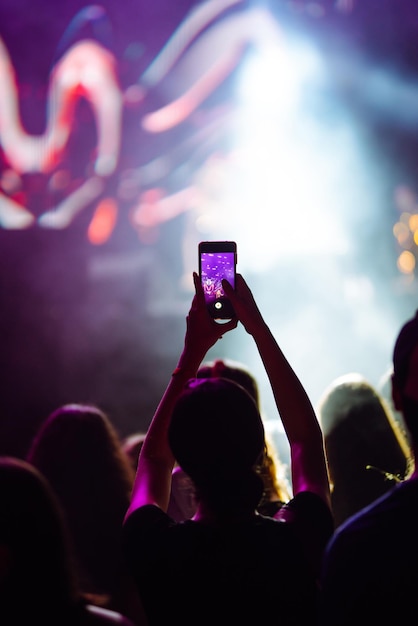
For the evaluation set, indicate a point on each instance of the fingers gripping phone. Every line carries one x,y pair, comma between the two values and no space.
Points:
217,260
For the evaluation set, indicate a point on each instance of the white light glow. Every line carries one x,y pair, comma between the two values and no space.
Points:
283,181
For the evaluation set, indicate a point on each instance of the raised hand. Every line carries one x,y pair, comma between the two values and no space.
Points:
244,304
202,330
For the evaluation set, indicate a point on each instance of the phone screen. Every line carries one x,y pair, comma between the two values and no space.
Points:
217,260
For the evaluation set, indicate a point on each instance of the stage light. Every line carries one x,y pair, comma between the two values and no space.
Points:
406,262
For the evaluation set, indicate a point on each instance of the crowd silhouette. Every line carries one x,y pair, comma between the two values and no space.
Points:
366,450
194,520
80,453
370,564
38,579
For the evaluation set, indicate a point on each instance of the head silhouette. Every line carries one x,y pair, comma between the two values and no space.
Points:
365,448
36,575
271,468
78,450
405,376
217,437
233,370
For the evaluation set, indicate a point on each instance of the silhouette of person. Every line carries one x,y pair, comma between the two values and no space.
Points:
366,450
38,582
228,564
276,492
369,573
79,451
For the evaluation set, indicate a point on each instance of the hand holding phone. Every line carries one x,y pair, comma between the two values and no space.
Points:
217,260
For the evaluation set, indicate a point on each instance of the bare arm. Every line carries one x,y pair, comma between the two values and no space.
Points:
153,478
308,464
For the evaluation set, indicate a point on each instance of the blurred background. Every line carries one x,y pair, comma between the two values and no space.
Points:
130,131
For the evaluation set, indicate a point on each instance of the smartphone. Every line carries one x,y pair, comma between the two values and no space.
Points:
217,260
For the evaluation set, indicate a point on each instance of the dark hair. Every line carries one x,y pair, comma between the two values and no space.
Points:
40,583
233,370
270,466
363,443
217,437
79,451
405,344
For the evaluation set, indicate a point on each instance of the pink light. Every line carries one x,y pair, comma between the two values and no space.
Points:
86,70
103,222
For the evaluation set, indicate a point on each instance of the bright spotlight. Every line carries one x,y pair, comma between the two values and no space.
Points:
275,191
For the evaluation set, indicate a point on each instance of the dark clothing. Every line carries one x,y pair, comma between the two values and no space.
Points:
370,569
253,572
270,507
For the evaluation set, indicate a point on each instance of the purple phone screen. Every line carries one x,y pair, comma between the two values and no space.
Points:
214,267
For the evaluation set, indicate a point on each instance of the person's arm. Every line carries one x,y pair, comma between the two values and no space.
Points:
308,463
155,464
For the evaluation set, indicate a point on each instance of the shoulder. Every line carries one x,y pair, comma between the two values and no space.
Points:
146,527
398,508
145,516
312,522
307,505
